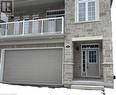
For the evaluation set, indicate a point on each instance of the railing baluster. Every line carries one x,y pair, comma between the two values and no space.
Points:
42,26
6,31
23,28
62,25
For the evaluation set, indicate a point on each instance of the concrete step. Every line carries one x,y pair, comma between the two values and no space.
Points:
87,87
92,83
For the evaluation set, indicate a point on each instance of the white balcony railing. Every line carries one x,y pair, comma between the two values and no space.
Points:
40,26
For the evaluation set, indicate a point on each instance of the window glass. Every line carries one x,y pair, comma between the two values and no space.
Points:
3,5
82,12
92,56
6,6
91,10
9,6
86,10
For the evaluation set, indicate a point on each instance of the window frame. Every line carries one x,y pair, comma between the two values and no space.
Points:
6,6
86,16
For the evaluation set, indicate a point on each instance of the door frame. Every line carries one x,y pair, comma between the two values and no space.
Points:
87,60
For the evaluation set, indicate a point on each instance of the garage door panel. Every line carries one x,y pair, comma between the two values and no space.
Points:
33,66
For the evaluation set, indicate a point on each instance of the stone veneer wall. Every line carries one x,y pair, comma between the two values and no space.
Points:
89,29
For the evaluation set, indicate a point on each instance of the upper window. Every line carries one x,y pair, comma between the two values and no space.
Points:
6,6
86,10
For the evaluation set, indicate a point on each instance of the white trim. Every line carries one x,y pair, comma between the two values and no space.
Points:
86,21
62,65
42,27
23,32
2,65
86,10
93,38
76,11
3,58
32,48
62,25
6,32
97,11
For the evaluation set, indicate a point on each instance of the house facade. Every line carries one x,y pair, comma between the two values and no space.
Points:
58,42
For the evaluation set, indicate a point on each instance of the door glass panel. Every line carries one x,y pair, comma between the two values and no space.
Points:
84,61
92,56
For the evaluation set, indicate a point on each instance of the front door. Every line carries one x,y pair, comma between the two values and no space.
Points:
90,61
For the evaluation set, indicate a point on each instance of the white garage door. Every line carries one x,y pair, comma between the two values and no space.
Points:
33,66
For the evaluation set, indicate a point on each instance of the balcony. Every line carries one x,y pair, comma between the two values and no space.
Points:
47,26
